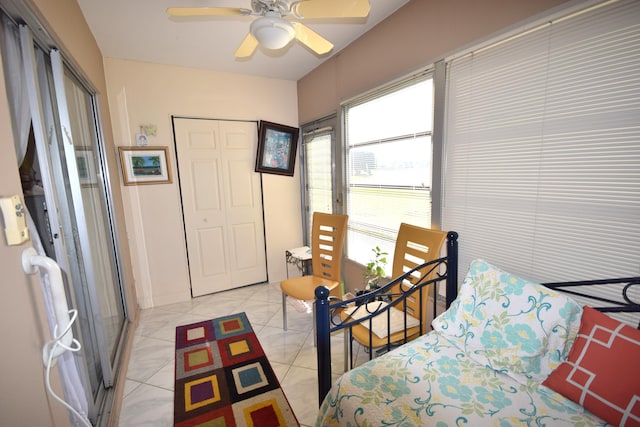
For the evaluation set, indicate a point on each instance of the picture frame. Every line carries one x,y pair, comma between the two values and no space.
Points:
277,145
86,167
145,165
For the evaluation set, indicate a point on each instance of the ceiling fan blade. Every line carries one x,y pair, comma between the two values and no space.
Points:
207,11
331,9
311,39
247,47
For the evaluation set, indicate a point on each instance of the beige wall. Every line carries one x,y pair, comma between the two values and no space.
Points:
142,93
24,400
418,34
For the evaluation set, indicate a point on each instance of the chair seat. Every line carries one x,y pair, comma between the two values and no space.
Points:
361,334
303,288
389,320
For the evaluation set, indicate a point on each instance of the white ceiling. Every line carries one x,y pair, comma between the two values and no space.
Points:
141,30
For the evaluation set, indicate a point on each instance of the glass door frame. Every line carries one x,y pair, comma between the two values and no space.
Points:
58,70
325,126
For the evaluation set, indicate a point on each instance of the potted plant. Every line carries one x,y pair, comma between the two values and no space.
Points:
375,269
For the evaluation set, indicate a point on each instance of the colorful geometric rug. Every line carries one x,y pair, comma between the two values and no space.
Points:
223,378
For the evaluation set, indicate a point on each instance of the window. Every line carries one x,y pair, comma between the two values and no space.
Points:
318,139
388,158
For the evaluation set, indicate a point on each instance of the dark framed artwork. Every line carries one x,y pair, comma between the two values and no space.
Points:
276,148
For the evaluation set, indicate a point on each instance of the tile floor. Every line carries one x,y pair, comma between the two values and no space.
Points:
148,395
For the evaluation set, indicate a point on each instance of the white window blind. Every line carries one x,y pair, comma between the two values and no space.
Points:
318,162
542,149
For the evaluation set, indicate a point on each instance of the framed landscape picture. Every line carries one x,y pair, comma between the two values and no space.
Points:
86,167
144,165
276,148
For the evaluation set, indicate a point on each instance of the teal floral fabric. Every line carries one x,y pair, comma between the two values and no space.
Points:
483,364
432,382
510,324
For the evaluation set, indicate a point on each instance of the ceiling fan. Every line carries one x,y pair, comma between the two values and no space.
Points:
277,23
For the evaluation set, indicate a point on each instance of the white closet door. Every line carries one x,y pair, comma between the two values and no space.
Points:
222,203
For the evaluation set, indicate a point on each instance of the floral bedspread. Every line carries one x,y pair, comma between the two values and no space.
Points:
431,382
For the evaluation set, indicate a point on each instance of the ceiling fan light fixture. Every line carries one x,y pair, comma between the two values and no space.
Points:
272,32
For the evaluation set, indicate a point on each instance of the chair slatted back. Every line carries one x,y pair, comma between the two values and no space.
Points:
327,239
415,246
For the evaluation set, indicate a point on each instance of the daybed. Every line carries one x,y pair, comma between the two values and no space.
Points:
494,357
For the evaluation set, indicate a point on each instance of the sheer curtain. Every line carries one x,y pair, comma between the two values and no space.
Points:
16,76
16,87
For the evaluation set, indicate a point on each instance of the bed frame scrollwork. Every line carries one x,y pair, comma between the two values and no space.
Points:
328,320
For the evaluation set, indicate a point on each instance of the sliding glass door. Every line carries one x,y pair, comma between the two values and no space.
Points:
65,184
319,173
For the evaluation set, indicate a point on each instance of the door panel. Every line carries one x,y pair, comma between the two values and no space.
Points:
211,247
206,194
244,207
222,203
199,159
244,237
241,188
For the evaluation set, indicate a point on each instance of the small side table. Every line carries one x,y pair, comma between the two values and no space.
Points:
300,257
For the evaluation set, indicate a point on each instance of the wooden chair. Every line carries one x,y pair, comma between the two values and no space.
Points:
327,238
414,246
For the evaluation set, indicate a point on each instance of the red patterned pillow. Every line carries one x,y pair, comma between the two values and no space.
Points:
602,372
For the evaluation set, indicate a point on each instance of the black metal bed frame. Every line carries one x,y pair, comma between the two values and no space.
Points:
328,319
624,306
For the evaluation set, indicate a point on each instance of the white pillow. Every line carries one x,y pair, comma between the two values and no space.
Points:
510,324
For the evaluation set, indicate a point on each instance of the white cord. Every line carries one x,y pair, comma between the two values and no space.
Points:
73,348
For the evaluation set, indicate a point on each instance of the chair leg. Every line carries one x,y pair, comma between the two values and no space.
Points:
347,352
315,336
284,311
